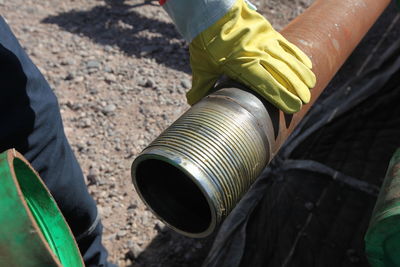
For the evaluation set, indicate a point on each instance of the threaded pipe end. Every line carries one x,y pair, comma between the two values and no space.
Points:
197,170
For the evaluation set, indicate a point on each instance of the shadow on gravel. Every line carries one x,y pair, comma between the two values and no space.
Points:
119,24
170,249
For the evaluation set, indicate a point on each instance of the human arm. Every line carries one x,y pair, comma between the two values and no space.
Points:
229,37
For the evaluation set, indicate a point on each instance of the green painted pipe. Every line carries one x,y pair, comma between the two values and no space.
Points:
382,240
33,232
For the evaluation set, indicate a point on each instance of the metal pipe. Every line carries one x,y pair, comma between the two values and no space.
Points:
33,230
383,235
196,171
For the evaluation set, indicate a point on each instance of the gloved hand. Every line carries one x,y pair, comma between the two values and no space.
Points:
244,46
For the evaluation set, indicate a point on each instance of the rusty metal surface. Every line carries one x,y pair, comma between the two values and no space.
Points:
327,32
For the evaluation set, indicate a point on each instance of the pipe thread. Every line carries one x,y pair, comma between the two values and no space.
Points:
225,144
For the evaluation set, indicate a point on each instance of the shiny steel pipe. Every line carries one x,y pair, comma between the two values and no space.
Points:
196,171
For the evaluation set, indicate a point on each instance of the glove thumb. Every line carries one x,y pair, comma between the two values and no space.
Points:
202,83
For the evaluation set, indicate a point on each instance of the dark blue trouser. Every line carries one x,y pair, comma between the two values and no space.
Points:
30,121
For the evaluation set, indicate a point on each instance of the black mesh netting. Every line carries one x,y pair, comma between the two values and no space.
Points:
312,205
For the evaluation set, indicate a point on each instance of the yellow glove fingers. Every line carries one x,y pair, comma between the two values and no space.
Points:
256,77
302,71
202,83
286,77
296,52
244,46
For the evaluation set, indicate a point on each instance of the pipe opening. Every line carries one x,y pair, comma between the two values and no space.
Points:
173,196
47,215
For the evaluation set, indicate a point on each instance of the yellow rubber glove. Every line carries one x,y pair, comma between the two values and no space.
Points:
244,46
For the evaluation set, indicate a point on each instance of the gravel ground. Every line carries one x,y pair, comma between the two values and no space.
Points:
120,72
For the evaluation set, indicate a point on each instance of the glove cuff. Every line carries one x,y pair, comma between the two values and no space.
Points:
191,17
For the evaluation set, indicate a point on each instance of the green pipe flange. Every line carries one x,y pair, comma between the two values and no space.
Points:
382,240
33,231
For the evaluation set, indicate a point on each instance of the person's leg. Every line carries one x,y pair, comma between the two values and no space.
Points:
31,123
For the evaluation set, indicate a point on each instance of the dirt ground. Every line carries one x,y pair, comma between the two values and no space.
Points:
120,72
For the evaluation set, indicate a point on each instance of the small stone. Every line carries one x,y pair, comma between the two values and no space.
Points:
149,82
79,79
70,76
93,64
74,106
110,78
186,83
121,233
160,226
92,70
93,91
107,69
90,142
129,244
149,49
134,252
132,206
86,123
108,48
80,147
67,62
145,218
109,109
31,10
92,177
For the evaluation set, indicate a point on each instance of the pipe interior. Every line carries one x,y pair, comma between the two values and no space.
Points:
173,196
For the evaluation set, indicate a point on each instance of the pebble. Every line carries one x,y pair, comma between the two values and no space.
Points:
85,123
92,177
70,76
107,69
149,82
134,252
93,64
160,226
93,91
121,233
108,48
79,79
149,49
145,218
67,62
186,83
109,109
110,78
